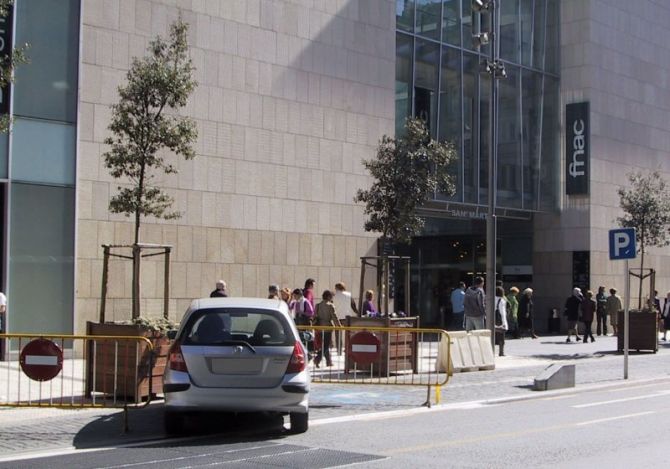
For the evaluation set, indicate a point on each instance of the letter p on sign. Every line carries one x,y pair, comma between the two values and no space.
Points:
622,244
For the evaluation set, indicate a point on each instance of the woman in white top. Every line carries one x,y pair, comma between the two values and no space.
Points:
500,320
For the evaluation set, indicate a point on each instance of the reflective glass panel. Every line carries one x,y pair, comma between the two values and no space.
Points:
466,20
470,127
404,15
451,24
43,151
552,43
425,83
484,135
403,80
450,107
428,18
532,133
509,136
3,155
539,32
47,87
509,30
41,258
549,168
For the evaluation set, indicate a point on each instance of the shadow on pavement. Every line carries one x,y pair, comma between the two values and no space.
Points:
146,424
571,356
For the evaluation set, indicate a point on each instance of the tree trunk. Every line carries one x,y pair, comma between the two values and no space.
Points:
136,281
639,299
136,248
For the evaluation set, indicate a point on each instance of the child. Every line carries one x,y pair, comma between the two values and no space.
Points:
369,305
325,316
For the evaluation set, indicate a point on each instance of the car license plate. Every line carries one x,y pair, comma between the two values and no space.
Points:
236,366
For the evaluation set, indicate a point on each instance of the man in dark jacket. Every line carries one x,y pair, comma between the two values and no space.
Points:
474,306
220,290
601,311
572,305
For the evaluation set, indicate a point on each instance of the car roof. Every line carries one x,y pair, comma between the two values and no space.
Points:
233,302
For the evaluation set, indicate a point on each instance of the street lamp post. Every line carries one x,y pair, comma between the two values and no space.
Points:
496,70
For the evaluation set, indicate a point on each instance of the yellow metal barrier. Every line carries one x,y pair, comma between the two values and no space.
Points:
76,371
400,356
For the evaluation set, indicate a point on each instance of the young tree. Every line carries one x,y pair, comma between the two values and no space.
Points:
8,63
407,171
141,127
646,206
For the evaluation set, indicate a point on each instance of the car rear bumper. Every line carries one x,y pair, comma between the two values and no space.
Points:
291,395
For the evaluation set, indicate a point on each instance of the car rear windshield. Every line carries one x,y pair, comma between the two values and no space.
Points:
221,326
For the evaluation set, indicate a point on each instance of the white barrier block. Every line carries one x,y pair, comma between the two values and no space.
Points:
487,358
470,351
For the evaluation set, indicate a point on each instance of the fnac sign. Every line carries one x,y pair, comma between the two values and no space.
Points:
577,148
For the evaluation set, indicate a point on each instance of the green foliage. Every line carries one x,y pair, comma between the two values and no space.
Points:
8,63
159,325
407,171
141,126
646,207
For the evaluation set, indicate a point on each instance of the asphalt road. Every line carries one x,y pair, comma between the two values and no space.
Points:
620,425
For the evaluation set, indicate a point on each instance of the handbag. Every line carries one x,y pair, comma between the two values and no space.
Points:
498,319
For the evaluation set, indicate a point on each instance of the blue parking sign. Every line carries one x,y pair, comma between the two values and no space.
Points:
622,244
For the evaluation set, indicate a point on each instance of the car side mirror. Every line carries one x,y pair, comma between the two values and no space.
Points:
172,334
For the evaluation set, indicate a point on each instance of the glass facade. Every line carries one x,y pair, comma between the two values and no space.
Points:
42,166
438,78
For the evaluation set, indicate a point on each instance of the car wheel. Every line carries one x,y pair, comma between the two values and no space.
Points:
299,422
174,423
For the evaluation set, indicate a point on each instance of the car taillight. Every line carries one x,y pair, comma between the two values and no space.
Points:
176,360
297,362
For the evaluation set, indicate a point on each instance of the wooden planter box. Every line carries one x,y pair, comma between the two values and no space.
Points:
398,350
122,367
643,331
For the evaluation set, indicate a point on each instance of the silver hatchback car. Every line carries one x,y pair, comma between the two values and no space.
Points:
237,355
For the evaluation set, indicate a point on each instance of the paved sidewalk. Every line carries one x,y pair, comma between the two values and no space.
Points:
26,430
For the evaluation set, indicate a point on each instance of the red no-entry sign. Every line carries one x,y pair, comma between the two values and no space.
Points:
364,348
41,360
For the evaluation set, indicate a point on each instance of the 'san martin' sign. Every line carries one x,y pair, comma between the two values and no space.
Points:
577,148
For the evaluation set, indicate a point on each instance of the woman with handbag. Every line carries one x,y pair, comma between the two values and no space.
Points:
500,320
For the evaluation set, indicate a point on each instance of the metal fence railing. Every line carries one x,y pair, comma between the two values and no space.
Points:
402,356
77,371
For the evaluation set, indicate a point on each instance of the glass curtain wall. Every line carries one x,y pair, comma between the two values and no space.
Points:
438,78
42,169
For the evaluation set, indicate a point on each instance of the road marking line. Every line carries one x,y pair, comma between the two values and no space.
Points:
202,455
625,399
591,422
496,436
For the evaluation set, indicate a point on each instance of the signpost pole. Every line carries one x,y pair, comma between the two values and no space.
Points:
625,320
623,247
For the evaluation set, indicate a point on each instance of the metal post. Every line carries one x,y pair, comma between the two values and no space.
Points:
492,179
361,292
625,321
407,286
166,286
105,273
